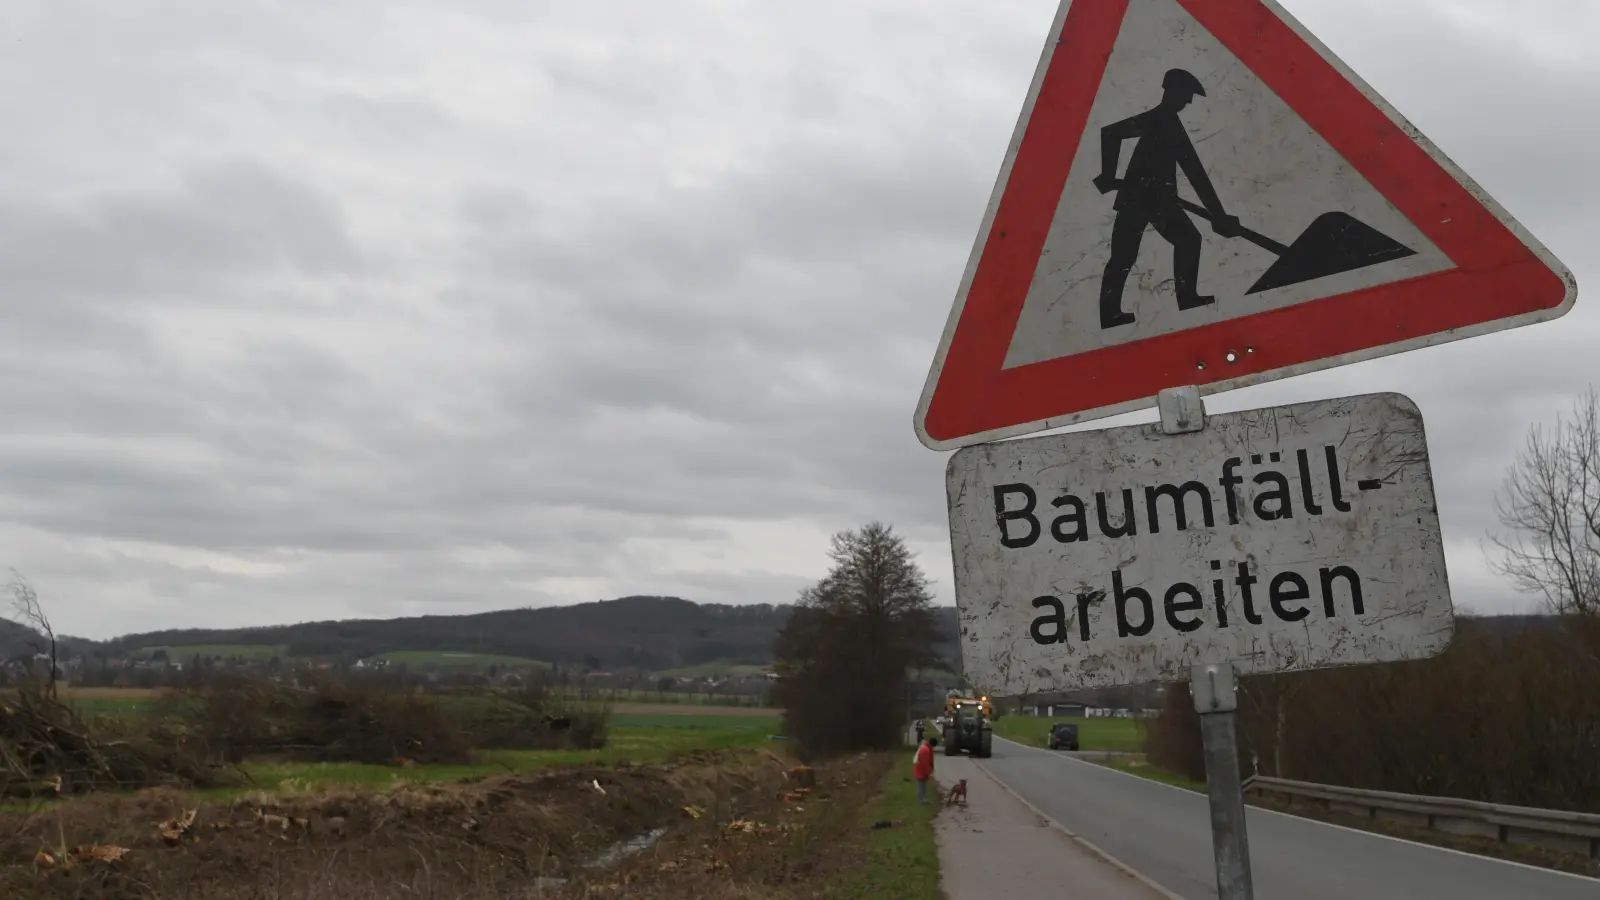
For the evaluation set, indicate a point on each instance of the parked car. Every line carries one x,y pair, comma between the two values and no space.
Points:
1063,736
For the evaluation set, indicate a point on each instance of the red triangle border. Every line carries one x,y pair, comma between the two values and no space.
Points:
1497,275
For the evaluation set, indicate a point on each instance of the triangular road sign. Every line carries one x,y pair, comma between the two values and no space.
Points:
1199,193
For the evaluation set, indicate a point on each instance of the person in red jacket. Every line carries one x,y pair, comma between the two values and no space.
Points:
922,769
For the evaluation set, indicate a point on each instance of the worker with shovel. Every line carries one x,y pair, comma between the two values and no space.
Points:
1147,196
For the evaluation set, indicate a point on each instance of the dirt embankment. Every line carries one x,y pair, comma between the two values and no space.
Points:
788,844
735,826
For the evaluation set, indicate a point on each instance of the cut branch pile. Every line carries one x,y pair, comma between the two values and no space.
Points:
533,718
47,749
329,722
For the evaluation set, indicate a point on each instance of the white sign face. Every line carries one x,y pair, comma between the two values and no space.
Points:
1278,539
1244,146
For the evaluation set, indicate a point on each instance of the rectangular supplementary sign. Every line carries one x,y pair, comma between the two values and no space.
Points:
1281,539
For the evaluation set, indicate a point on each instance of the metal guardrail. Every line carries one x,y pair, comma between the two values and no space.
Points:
1549,829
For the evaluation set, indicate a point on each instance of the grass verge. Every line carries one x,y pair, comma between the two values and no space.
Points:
1098,733
900,862
1532,856
1136,765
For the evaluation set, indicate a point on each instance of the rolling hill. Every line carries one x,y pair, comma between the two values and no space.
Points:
652,633
19,640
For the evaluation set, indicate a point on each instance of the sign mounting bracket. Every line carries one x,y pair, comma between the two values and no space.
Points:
1183,410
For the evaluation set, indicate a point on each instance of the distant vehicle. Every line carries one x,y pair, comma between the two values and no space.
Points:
1063,736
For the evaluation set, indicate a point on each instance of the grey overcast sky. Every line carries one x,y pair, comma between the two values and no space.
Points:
320,310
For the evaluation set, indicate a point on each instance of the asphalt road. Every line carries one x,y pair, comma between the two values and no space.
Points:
1165,834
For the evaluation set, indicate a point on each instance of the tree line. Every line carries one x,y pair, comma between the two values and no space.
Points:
1509,713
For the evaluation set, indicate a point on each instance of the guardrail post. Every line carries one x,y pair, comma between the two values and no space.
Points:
1215,698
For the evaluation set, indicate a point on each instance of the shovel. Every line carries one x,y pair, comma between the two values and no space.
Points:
1333,243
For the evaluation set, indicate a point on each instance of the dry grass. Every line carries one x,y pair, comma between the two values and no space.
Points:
780,845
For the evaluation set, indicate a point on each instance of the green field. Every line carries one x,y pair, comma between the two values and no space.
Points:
627,695
713,670
703,714
647,734
627,744
452,659
185,652
1093,733
762,724
116,706
443,659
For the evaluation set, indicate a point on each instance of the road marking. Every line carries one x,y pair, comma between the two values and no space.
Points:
1078,838
1387,837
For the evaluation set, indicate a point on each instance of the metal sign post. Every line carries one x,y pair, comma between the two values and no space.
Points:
1215,699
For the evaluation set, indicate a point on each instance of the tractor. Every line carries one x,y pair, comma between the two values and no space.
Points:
967,725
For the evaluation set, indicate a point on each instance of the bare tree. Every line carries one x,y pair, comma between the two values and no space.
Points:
1549,503
27,611
843,655
1270,700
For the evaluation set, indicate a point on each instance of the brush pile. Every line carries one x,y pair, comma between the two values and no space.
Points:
531,718
330,721
47,749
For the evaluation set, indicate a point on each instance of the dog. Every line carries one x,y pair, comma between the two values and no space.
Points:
958,791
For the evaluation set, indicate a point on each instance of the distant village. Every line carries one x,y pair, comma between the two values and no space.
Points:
750,685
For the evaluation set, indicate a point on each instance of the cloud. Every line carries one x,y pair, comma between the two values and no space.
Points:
372,309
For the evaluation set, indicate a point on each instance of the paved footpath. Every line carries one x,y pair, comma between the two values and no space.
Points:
996,847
